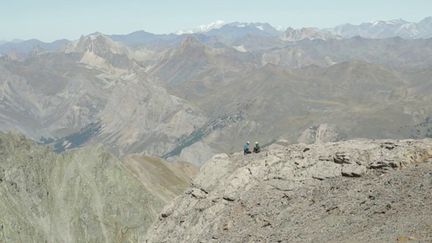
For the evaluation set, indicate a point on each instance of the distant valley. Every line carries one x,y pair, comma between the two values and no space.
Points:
192,95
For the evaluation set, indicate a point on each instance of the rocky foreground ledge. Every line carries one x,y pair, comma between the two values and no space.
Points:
351,191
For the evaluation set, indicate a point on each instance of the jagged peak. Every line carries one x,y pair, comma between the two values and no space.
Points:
219,24
95,42
309,33
203,28
191,41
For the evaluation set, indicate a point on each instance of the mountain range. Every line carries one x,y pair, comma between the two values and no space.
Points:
107,130
190,96
387,29
230,33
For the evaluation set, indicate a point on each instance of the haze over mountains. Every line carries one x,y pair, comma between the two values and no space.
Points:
226,31
114,127
190,96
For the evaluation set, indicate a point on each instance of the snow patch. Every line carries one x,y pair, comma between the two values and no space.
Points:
203,28
280,28
66,144
240,48
375,23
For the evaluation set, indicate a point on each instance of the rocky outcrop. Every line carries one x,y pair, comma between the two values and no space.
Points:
145,118
308,34
352,191
84,195
322,133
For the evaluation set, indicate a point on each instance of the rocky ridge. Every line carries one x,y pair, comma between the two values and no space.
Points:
308,33
352,191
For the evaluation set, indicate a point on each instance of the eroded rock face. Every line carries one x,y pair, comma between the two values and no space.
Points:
322,133
359,190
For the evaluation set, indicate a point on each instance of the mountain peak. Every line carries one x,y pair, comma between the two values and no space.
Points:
95,42
308,33
203,28
387,29
221,26
191,41
390,22
95,35
265,27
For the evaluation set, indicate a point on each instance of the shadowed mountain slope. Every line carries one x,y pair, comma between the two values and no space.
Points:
200,96
361,99
84,195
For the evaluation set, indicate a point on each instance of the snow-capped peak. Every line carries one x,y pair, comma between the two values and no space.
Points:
203,28
389,22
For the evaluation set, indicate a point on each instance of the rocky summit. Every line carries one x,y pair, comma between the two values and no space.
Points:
351,191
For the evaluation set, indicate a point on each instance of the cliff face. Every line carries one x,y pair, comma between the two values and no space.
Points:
84,195
352,191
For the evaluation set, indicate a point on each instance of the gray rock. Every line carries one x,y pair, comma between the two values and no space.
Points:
341,158
322,133
353,170
325,170
287,195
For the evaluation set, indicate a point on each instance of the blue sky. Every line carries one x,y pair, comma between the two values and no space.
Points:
54,19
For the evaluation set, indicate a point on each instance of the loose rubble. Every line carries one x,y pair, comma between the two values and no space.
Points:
351,191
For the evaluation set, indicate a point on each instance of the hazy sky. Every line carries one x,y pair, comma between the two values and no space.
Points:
54,19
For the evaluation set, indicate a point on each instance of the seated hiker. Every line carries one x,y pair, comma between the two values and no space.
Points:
257,148
246,148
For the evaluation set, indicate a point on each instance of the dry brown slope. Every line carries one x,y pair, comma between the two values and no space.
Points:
162,178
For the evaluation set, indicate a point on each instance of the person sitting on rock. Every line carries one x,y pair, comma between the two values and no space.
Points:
246,148
257,148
